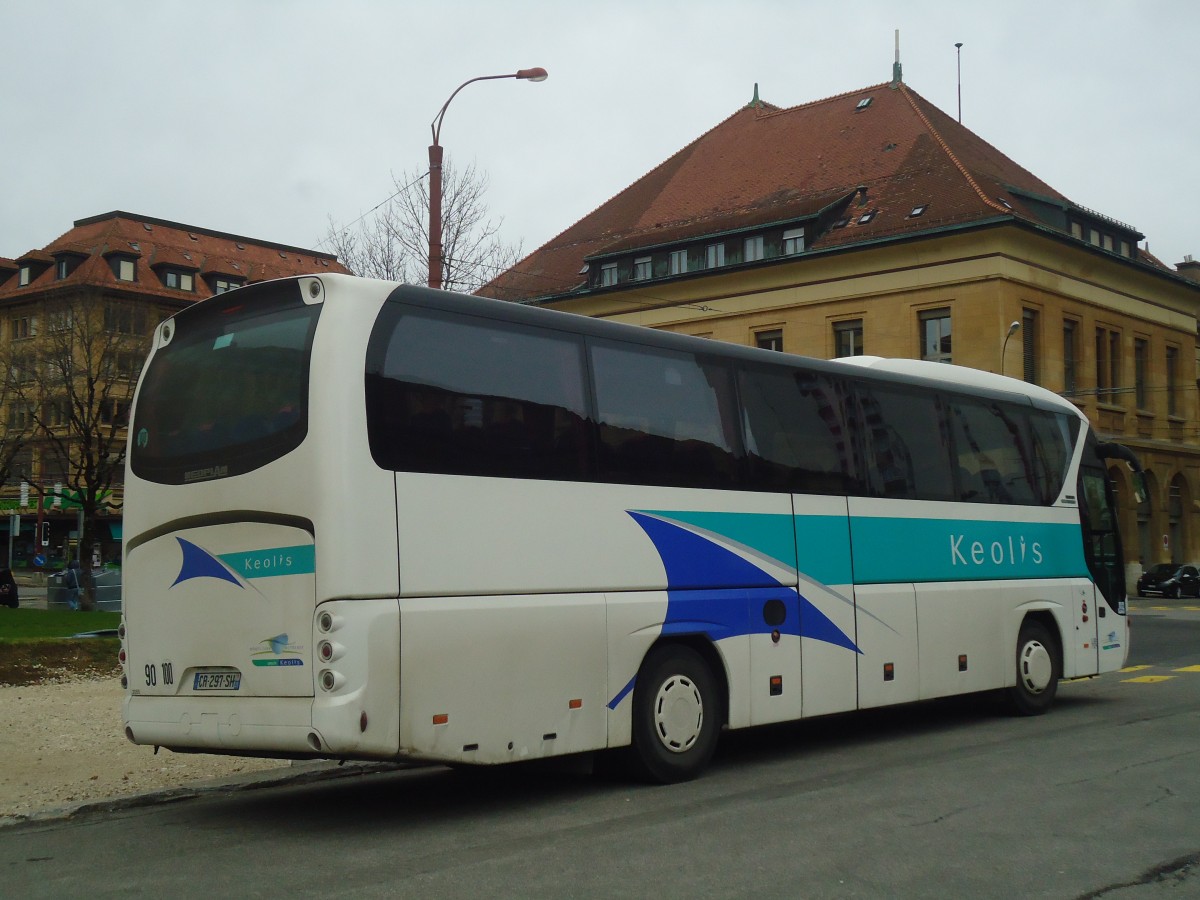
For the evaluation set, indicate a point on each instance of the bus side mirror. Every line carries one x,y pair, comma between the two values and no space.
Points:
1139,486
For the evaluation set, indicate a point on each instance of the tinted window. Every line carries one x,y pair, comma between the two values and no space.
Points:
797,436
907,443
1054,437
229,393
467,396
664,418
993,452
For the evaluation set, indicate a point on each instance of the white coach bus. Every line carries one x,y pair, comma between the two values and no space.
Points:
372,521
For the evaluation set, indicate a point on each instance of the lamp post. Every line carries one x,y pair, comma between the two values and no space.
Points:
1012,329
435,171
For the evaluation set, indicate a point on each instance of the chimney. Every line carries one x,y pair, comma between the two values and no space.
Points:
1189,269
897,72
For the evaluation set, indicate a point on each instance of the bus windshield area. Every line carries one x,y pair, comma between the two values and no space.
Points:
228,393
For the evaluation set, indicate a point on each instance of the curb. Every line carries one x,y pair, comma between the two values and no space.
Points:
304,773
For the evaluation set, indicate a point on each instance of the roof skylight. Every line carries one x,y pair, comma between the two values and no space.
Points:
864,102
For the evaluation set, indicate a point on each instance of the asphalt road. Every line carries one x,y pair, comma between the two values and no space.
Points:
1100,798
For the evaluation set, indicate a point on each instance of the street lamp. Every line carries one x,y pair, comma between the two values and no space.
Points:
1012,329
435,171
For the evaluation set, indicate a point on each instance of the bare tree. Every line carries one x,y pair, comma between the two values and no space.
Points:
392,241
73,383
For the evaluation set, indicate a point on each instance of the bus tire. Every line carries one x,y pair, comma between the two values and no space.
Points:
677,715
1038,670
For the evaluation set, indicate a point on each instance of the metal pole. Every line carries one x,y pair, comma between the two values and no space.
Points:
435,170
958,51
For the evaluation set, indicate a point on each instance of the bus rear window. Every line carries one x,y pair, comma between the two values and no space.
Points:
229,392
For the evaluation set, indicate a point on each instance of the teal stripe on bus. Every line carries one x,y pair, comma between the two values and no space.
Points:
888,550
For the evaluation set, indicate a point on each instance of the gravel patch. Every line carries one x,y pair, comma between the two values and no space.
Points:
62,745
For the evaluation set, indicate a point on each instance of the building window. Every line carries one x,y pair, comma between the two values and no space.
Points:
1077,231
935,335
62,269
1172,381
1094,237
1029,337
25,276
679,262
1140,352
769,340
224,285
608,274
793,241
848,338
124,318
754,248
1124,248
179,280
23,327
124,268
714,256
1108,364
641,268
1070,356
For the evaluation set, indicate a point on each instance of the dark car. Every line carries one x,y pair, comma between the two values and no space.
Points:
1170,580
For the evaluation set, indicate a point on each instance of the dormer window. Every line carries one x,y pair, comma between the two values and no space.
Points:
608,274
793,241
223,285
642,268
178,279
123,267
714,256
24,276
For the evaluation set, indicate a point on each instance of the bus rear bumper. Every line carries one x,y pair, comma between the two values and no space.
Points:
271,726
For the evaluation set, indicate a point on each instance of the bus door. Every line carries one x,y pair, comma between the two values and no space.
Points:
1105,563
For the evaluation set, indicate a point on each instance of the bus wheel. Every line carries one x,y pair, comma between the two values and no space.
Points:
677,715
1038,670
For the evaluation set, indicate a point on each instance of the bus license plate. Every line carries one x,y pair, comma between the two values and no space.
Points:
217,681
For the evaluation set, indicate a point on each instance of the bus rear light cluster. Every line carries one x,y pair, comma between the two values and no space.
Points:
329,651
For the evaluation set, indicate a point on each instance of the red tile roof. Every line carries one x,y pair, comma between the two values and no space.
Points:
155,242
766,165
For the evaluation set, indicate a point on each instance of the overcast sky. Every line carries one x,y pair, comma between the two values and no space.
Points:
265,118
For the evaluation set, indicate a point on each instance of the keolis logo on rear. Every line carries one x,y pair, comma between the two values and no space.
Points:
236,568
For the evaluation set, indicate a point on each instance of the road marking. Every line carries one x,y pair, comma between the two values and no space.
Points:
1148,679
1187,669
1135,668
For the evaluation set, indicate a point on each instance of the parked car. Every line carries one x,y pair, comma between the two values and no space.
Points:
1170,580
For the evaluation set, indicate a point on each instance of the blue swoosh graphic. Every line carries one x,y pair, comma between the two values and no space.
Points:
199,563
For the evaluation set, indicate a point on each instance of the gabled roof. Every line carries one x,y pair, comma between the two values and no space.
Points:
157,243
883,148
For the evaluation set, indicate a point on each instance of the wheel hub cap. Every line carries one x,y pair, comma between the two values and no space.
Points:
1036,667
678,713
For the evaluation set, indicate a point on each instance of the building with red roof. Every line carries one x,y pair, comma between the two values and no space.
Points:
872,222
133,271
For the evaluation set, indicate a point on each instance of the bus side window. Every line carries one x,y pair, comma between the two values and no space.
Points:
797,437
468,396
665,417
993,445
907,442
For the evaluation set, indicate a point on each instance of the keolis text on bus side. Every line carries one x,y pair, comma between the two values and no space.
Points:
1012,551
